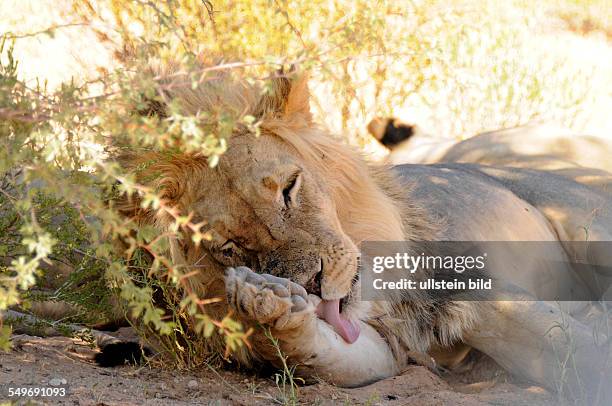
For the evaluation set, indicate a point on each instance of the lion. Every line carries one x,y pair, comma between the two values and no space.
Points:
541,146
289,209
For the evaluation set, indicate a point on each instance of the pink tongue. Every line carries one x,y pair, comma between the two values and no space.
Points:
329,310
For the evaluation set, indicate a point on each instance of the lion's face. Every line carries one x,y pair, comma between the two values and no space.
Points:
268,210
292,202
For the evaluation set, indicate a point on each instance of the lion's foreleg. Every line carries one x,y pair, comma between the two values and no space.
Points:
309,342
331,358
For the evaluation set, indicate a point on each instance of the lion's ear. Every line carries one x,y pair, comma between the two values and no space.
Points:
298,100
289,98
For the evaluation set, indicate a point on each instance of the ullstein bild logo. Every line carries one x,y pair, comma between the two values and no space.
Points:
466,270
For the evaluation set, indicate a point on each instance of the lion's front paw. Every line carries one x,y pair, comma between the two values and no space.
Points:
267,299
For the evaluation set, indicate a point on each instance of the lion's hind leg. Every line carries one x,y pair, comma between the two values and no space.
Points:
536,340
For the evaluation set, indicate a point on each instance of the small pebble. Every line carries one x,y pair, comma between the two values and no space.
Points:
192,384
57,381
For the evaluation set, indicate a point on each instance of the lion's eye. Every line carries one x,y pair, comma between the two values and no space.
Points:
228,248
290,191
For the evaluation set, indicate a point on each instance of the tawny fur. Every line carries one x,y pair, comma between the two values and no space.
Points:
342,202
384,213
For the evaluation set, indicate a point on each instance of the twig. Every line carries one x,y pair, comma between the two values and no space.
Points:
102,339
48,31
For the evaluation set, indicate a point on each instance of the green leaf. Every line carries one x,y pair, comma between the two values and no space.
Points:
5,338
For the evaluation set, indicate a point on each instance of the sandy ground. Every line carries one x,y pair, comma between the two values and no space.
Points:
45,362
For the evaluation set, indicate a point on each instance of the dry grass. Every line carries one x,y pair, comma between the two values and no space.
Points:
492,64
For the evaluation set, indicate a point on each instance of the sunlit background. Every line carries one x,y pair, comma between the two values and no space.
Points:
455,68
